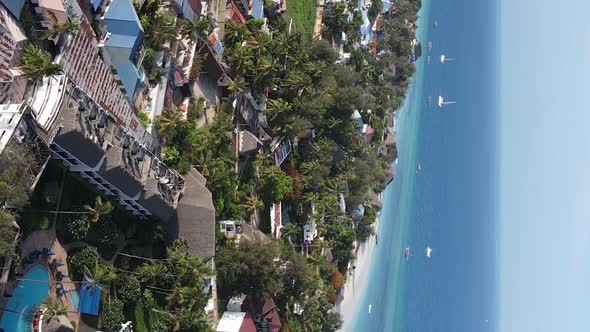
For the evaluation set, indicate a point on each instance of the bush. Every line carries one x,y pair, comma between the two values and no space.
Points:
78,228
196,67
112,315
106,233
44,223
7,234
129,289
82,260
144,118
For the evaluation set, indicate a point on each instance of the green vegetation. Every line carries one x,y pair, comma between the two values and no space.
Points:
303,14
37,63
144,118
8,234
53,308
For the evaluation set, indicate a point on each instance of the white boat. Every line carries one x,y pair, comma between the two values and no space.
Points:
442,102
370,306
418,168
444,58
428,251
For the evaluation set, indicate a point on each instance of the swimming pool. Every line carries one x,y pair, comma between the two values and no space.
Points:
25,296
74,299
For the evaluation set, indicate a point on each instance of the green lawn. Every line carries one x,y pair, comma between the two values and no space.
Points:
303,14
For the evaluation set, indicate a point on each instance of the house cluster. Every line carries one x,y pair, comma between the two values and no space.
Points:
241,315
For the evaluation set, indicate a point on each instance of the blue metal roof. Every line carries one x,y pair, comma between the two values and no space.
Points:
121,41
89,299
124,42
14,6
96,4
258,9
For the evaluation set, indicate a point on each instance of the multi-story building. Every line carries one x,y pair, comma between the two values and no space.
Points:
91,75
121,43
12,41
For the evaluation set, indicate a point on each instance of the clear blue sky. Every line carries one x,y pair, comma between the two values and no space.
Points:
544,277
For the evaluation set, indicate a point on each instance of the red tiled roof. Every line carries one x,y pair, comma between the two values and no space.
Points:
248,324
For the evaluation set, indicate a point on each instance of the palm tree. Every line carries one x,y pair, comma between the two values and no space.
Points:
53,308
57,28
168,122
160,30
183,296
101,276
149,272
290,229
263,159
99,209
277,107
236,85
235,32
197,27
36,63
241,59
252,204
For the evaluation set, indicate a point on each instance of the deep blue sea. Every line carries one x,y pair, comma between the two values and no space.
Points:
451,204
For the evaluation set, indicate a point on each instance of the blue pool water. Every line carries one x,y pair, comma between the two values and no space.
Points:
24,297
74,298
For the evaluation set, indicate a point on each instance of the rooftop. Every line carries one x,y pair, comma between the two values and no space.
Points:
10,116
123,41
119,165
9,23
13,6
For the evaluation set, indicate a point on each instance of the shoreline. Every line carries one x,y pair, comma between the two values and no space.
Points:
356,283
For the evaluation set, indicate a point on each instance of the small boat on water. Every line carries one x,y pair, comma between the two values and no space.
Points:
377,239
442,102
407,253
435,24
370,306
428,251
418,168
444,58
428,59
429,46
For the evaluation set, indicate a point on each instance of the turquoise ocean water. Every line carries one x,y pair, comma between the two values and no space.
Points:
451,204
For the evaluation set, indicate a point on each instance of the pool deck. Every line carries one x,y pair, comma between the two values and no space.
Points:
47,239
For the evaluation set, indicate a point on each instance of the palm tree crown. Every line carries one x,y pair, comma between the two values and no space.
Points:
100,208
53,308
36,63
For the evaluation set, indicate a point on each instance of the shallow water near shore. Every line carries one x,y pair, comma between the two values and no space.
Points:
450,204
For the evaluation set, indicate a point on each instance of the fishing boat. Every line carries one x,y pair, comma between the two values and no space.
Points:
418,168
443,58
428,251
407,253
442,102
370,306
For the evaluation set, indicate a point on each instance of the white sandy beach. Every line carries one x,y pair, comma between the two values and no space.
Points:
356,283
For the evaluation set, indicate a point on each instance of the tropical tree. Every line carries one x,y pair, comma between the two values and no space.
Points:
112,315
36,63
250,269
8,234
58,28
275,185
168,123
100,276
53,308
151,272
160,30
235,33
252,204
290,229
236,85
99,209
128,289
197,27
